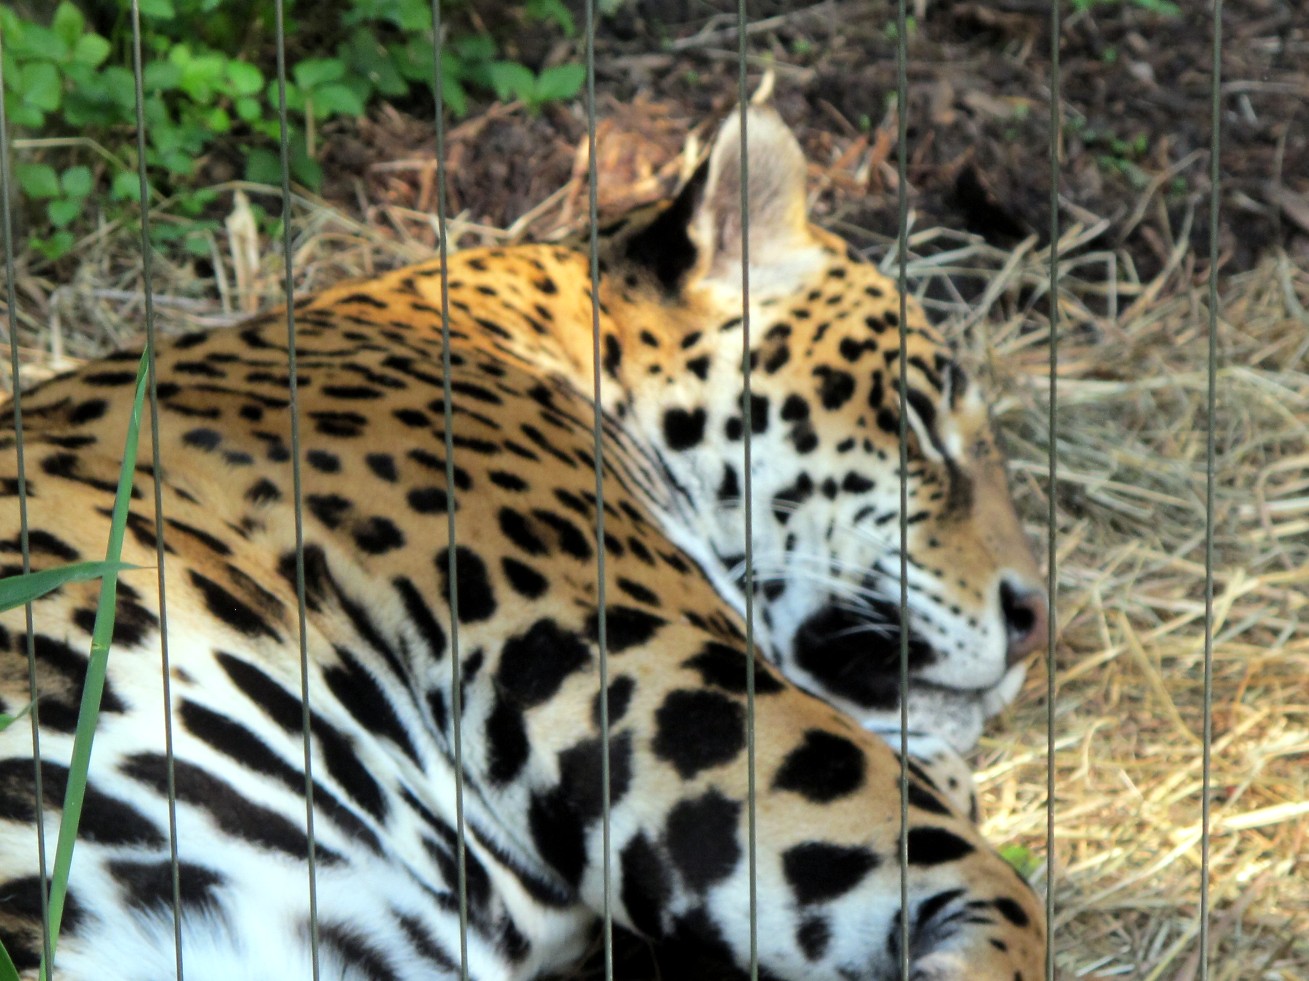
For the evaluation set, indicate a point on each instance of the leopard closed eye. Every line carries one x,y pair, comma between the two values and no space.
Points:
823,419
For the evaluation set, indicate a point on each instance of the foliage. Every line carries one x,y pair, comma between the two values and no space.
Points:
210,90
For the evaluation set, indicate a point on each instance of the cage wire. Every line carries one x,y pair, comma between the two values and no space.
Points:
602,622
165,675
452,560
1051,483
742,25
297,486
24,537
902,284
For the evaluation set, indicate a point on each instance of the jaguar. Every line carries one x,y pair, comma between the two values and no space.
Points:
462,827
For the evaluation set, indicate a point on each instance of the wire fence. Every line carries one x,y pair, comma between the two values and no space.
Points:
454,532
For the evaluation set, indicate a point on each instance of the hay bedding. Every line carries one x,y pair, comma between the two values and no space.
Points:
1130,494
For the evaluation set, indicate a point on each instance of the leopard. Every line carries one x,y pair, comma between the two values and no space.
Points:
287,780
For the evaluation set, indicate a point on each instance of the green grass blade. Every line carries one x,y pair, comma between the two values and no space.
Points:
101,634
18,591
7,970
6,720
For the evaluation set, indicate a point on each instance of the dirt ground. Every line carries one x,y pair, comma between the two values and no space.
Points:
1135,110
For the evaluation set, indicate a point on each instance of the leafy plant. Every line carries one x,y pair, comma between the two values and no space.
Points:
64,196
209,89
511,80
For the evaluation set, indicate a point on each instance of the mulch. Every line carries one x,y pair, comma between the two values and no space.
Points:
1135,121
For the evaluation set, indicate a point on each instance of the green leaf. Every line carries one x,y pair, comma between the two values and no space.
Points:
176,162
263,166
40,42
386,78
7,970
295,100
126,186
217,120
415,16
269,129
89,107
77,181
23,115
160,76
455,96
510,80
62,212
307,171
202,75
166,232
193,204
180,54
475,47
90,49
16,591
336,100
38,180
1023,859
197,243
56,246
366,57
68,23
248,109
416,59
560,82
314,72
41,85
552,11
120,87
246,79
158,9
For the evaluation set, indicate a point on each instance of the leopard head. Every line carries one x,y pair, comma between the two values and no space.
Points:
823,412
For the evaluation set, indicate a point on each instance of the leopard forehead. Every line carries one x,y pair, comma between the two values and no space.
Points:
827,364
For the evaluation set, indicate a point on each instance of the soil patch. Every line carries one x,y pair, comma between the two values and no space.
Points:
1135,115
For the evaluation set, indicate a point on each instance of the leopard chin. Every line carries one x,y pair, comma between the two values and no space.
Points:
853,660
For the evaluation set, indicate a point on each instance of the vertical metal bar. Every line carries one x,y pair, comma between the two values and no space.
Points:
11,298
147,274
902,286
288,287
452,567
752,831
601,615
1211,397
1051,560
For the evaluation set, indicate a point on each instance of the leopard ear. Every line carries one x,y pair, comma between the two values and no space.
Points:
775,201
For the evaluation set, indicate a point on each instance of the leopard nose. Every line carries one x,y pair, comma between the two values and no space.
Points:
1026,619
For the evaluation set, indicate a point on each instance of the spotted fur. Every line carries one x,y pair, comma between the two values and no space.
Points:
380,621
